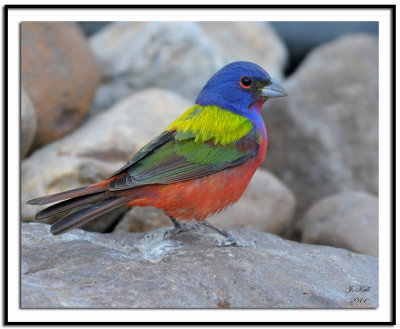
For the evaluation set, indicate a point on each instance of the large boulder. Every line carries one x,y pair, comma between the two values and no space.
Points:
323,137
92,270
28,123
97,149
346,220
266,205
60,75
180,56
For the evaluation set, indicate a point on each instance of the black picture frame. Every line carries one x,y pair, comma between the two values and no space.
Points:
8,8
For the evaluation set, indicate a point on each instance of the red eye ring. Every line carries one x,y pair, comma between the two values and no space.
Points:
245,82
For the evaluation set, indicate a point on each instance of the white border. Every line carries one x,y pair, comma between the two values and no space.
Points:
381,314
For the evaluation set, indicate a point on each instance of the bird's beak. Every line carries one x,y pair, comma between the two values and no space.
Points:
273,90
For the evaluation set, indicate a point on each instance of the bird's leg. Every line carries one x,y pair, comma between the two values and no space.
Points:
231,240
179,227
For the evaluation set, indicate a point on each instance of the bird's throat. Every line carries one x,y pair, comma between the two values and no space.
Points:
256,106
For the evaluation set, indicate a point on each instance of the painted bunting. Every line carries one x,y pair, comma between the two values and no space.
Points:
198,166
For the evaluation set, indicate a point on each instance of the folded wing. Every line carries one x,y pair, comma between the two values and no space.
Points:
176,156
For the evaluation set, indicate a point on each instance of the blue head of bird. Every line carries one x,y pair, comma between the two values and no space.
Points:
240,87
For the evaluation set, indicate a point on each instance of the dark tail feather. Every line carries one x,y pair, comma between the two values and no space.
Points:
69,204
67,195
83,216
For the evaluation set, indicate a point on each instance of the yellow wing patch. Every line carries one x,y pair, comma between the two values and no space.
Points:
212,122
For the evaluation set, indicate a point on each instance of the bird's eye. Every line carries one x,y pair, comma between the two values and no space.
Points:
246,82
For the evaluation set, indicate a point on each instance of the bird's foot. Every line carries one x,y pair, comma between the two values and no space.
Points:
179,228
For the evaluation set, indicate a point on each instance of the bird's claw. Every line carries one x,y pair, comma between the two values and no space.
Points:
232,241
179,228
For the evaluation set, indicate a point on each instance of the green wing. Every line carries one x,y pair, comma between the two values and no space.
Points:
176,156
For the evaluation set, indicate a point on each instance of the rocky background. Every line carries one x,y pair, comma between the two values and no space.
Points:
94,93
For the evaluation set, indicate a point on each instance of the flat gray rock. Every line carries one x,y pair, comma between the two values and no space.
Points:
128,270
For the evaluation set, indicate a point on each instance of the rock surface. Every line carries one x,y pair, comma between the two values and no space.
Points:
91,270
97,149
180,56
28,123
347,220
266,205
323,137
60,75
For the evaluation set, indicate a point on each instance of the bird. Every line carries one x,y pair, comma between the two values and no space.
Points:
198,166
